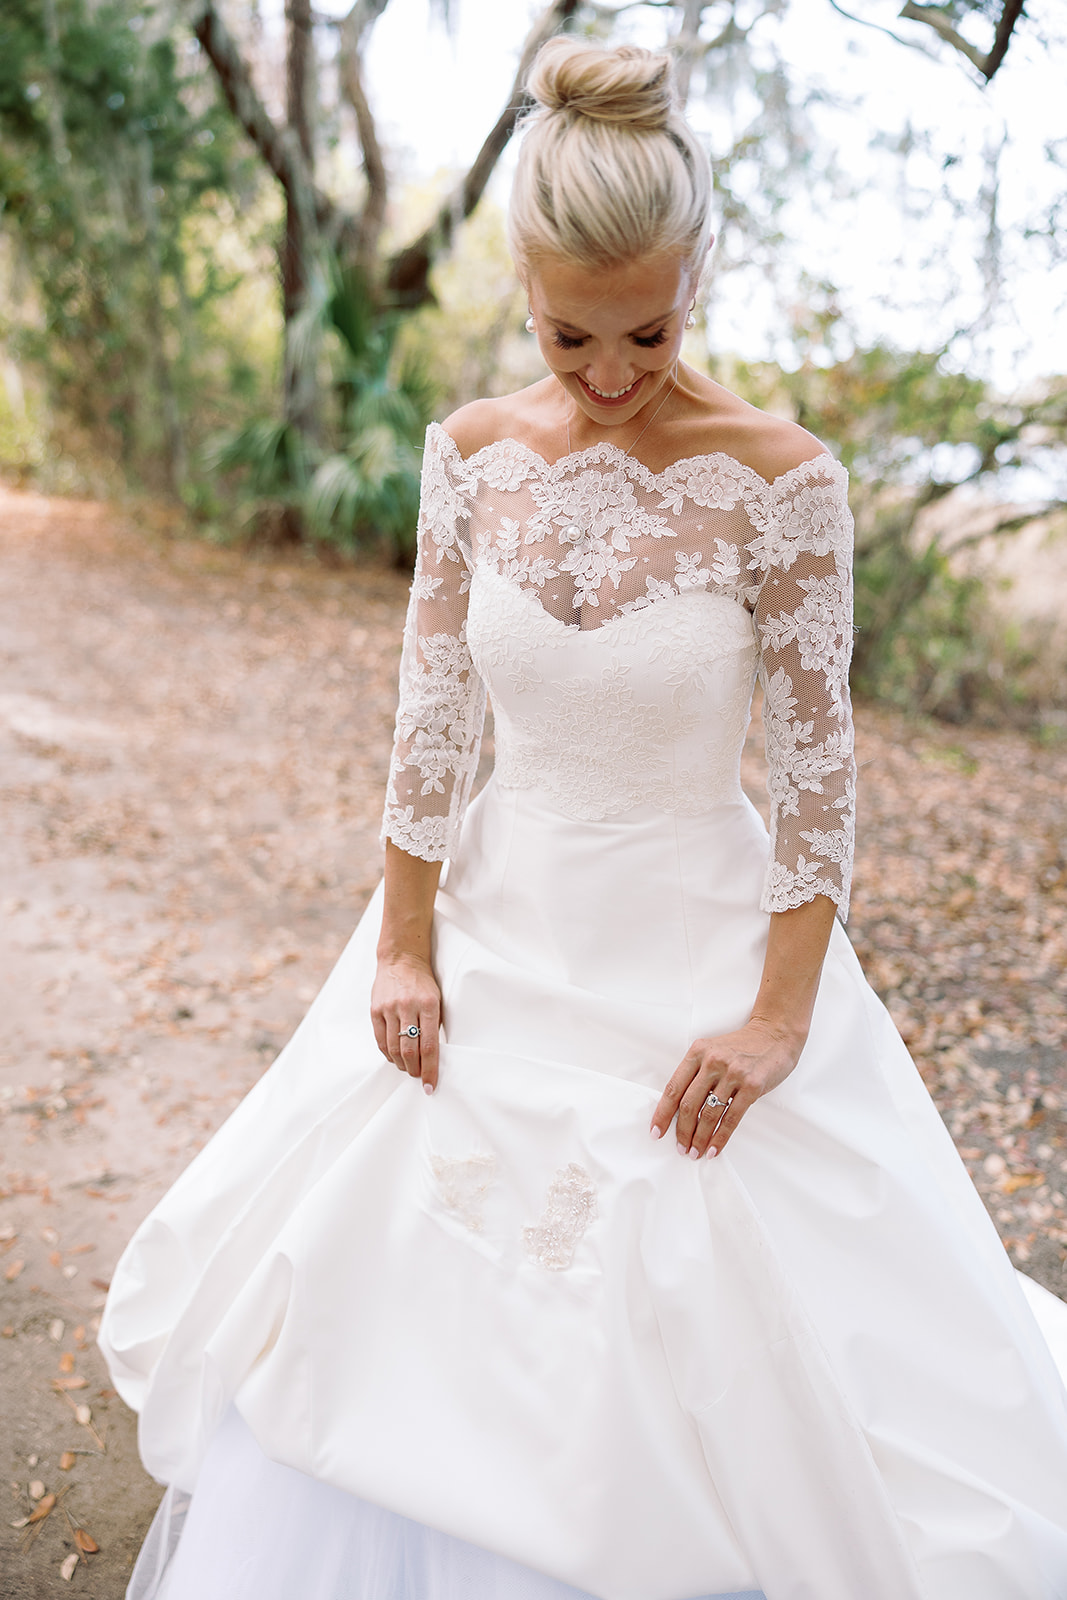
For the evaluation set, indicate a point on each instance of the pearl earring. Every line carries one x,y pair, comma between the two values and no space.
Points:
690,320
530,323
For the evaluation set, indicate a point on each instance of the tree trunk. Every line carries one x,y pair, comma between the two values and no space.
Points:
300,244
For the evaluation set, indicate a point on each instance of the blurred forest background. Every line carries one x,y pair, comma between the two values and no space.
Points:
219,284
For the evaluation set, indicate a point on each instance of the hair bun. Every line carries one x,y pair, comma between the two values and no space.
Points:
629,86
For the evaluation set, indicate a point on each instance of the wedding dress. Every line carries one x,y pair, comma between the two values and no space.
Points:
497,1342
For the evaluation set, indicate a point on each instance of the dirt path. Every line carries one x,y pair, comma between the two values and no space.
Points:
193,745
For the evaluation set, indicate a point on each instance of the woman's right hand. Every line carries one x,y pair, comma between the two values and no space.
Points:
405,995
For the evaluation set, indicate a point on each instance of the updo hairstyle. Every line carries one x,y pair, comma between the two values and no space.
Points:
609,169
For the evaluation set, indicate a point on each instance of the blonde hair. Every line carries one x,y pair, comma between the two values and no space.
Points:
609,169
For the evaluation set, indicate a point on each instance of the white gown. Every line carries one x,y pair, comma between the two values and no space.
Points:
497,1342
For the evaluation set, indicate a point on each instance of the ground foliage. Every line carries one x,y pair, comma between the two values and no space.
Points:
356,487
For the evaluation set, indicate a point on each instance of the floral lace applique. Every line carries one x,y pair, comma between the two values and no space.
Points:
462,1185
714,482
569,1209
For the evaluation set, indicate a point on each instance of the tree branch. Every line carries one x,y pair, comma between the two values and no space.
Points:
366,231
407,276
986,62
362,17
279,147
1013,10
865,22
298,57
687,45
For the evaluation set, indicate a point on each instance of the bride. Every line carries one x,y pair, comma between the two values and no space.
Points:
433,1317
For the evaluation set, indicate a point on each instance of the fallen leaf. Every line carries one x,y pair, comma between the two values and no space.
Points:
13,1271
8,1331
55,1331
74,1382
83,1415
20,1522
70,1272
1020,1180
36,1489
67,1460
43,1508
85,1542
66,1571
54,1258
98,1283
66,1360
50,1236
79,1334
31,1461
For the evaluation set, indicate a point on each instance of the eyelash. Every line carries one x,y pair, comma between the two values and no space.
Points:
650,343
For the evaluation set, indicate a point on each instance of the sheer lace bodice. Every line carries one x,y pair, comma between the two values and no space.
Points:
695,578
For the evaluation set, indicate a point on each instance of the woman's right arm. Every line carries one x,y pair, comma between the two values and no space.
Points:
435,756
405,991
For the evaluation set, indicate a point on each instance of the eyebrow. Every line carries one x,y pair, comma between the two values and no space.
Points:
569,327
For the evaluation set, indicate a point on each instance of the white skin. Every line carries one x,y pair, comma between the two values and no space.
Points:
615,329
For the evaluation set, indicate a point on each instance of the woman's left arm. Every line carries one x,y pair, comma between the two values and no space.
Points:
801,550
739,1067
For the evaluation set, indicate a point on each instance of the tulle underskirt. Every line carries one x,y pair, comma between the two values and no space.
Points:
255,1530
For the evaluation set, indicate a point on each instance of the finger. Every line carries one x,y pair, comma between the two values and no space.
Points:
670,1099
381,1034
707,1125
408,1047
693,1102
730,1119
430,1042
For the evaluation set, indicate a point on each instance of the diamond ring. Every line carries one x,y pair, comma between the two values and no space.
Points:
713,1100
410,1033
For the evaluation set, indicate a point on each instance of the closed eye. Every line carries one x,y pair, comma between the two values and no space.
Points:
646,341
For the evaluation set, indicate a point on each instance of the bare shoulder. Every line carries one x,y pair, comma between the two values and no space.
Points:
768,444
509,416
475,425
774,445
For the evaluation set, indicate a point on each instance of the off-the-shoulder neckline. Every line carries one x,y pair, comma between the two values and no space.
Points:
605,451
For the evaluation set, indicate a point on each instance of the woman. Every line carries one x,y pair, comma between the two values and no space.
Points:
464,1330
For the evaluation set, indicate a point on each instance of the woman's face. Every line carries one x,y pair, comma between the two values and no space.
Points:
612,335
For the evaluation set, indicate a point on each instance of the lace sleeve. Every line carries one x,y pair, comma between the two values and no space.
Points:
442,700
803,615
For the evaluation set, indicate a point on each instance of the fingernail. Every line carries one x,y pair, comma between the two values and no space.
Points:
427,1088
712,1151
657,1133
682,1151
694,1154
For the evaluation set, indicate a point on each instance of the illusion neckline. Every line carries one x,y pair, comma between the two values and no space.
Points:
606,451
529,598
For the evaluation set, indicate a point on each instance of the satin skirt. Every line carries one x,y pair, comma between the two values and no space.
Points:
805,1369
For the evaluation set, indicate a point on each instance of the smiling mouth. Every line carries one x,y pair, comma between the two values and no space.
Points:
603,396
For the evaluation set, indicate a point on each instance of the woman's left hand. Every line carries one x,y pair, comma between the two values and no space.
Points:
736,1067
